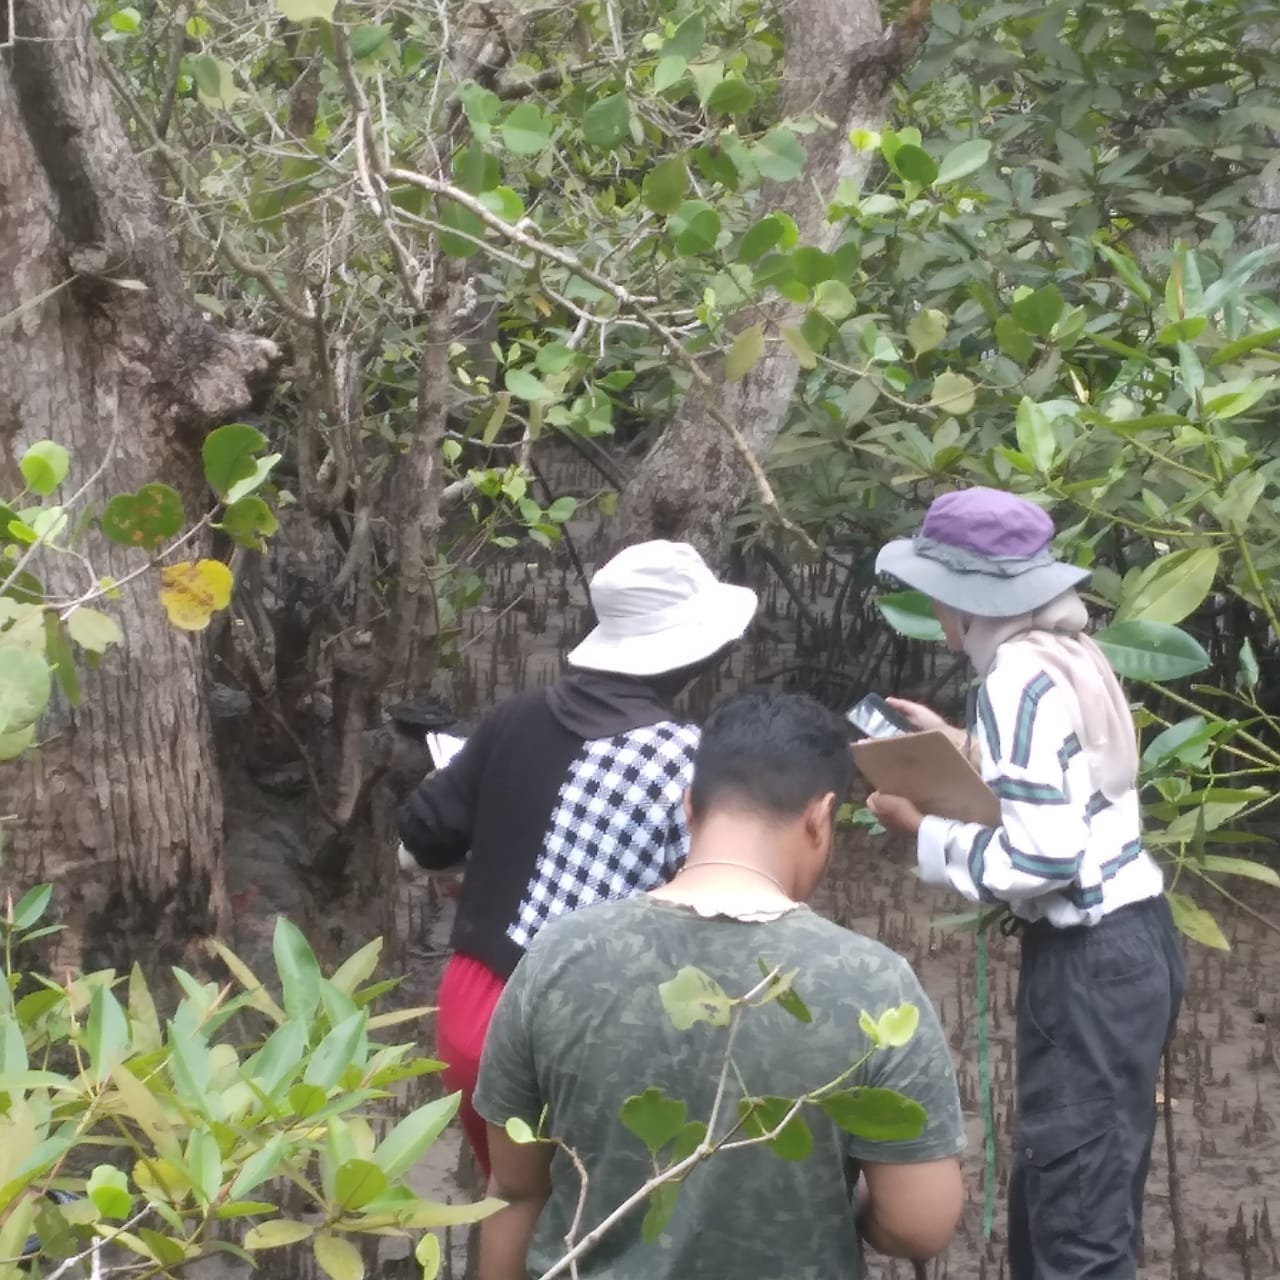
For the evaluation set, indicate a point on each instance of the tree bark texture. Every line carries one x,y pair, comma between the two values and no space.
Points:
840,63
121,806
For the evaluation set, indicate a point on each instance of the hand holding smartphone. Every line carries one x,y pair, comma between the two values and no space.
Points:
874,718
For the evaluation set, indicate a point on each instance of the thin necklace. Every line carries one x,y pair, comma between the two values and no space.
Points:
741,866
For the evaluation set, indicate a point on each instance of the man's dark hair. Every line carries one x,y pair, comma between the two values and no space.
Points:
771,752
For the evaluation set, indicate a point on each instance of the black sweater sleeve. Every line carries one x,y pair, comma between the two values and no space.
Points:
438,819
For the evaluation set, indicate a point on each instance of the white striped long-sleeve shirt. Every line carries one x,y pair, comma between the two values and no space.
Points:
1063,851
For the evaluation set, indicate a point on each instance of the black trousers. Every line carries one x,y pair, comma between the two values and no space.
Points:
1096,1007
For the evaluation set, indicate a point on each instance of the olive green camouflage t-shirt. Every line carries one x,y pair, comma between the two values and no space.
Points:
581,1027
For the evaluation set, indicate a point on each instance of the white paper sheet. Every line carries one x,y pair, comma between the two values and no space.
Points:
443,747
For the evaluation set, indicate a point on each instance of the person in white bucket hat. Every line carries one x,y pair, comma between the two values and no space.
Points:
574,793
660,609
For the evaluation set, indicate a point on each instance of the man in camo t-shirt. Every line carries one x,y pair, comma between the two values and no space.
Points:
581,1027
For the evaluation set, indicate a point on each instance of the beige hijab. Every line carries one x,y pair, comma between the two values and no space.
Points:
1053,636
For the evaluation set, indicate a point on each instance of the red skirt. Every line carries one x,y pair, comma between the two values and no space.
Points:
468,993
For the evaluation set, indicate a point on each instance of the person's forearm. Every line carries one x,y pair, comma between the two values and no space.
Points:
504,1240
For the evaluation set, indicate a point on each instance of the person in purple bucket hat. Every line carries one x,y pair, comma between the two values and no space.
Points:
1101,978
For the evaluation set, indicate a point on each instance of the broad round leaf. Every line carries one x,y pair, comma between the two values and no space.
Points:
248,521
108,1188
688,38
731,97
522,383
461,230
693,996
1151,651
1039,311
520,1131
779,155
897,1025
607,121
953,393
669,71
765,235
695,227
813,265
833,299
654,1118
146,519
25,687
761,1116
879,1115
193,591
914,164
93,630
504,202
525,131
230,454
664,186
926,330
1013,340
554,358
366,41
476,170
44,466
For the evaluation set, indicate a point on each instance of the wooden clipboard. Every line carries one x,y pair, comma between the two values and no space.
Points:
930,771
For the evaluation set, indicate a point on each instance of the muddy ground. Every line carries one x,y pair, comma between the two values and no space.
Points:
1225,1104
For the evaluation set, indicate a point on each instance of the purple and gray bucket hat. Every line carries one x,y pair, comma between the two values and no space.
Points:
983,552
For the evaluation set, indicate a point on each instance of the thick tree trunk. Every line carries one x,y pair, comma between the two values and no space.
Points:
121,807
840,64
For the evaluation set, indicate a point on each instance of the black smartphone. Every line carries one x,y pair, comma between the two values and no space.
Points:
874,718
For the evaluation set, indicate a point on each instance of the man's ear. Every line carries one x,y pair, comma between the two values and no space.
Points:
820,817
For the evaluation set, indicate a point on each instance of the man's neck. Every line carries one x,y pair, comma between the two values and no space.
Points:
735,864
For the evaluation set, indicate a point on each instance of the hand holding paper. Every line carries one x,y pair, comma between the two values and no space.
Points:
895,813
930,774
443,747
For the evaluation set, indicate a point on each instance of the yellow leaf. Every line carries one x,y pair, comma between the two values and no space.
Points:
338,1258
194,591
799,346
745,353
953,393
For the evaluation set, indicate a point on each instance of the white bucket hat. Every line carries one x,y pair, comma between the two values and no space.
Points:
659,608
